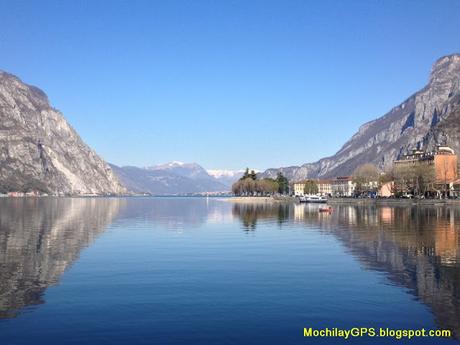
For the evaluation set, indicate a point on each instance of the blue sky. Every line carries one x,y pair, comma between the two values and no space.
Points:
227,84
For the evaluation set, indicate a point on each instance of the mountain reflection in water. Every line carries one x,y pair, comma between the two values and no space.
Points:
417,247
206,262
40,239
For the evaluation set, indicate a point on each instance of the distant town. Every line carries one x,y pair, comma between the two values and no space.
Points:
419,174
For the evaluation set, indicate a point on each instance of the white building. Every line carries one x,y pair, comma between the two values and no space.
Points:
343,186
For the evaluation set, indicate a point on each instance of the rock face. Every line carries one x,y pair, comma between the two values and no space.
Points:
427,118
39,150
175,178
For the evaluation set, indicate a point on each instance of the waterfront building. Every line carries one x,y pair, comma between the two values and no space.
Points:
443,161
324,187
455,187
299,188
386,189
343,186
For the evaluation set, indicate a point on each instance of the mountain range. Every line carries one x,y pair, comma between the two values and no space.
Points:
39,150
427,118
175,178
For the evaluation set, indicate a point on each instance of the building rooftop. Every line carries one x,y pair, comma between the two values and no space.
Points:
420,155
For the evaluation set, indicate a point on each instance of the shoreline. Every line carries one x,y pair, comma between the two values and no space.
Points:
348,201
259,199
248,199
270,199
395,202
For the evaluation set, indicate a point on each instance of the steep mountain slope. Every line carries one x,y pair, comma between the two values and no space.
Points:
427,118
169,179
39,150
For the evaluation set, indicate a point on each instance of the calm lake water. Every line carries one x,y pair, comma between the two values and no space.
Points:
198,271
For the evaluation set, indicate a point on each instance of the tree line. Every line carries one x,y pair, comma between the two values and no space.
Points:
415,179
250,185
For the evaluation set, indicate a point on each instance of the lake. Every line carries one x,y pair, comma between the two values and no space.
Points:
207,271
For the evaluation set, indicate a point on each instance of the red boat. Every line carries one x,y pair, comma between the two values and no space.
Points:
326,209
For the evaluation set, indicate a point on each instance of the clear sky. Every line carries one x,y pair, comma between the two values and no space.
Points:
227,84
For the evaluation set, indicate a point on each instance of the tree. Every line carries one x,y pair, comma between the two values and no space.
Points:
404,178
245,175
267,186
283,183
365,178
386,177
424,178
417,179
311,187
250,187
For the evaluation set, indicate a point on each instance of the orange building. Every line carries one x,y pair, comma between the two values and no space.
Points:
386,189
445,164
443,160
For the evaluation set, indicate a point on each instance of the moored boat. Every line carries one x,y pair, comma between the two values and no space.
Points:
313,199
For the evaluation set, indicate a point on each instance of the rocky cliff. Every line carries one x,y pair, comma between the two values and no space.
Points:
39,150
429,117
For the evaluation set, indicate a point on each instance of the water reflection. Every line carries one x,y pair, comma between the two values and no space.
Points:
417,248
174,213
251,213
40,239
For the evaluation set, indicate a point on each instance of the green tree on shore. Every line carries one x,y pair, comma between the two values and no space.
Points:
250,187
311,187
283,183
252,175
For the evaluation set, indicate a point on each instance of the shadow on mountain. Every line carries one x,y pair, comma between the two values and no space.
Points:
41,238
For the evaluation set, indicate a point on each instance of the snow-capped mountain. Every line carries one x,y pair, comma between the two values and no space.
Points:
227,177
190,170
173,178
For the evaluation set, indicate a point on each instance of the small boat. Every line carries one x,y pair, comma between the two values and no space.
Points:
313,198
326,209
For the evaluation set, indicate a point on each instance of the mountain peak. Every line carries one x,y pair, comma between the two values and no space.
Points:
446,68
41,151
175,164
425,119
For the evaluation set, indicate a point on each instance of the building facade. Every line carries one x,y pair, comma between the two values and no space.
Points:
299,188
324,187
343,186
386,189
442,163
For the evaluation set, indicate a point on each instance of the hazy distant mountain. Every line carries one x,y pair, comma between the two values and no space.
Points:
39,150
226,177
175,178
427,118
190,170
